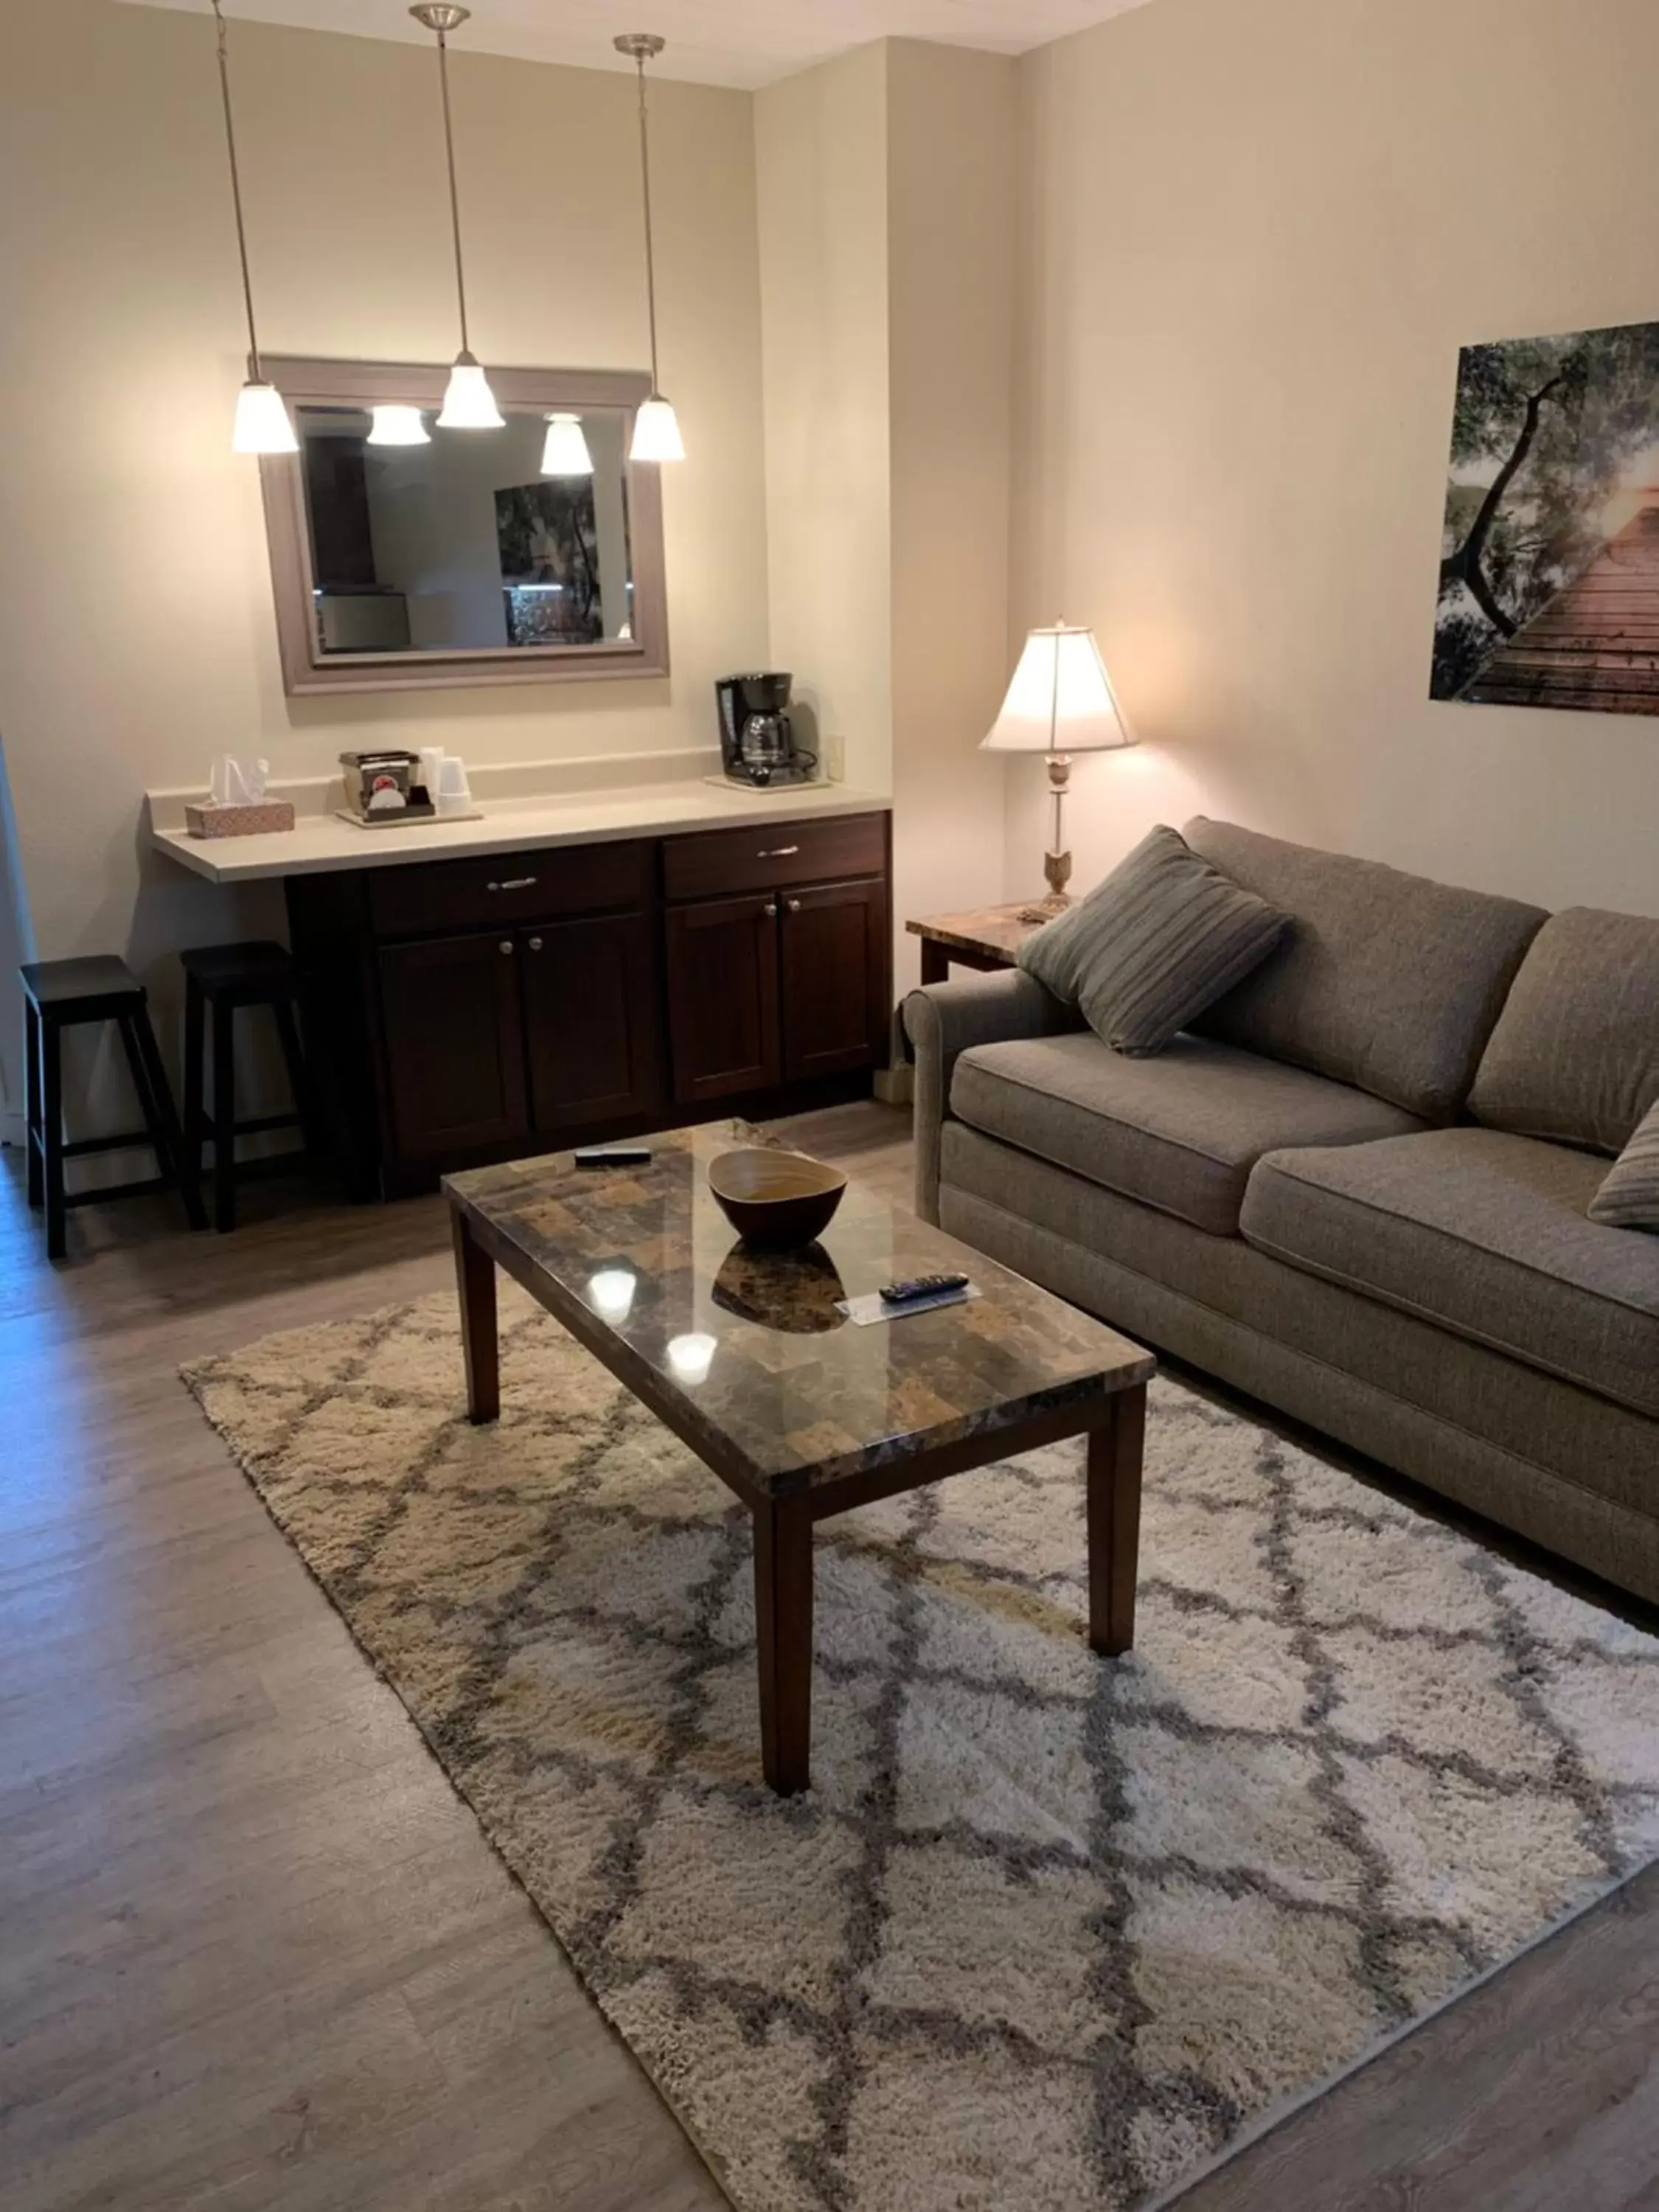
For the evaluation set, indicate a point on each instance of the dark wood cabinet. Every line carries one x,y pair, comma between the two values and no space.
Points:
723,997
471,1009
591,1001
833,972
792,984
452,1036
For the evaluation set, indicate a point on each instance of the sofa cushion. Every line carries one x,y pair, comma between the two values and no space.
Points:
1160,939
1575,1054
1629,1198
1180,1132
1484,1233
1385,981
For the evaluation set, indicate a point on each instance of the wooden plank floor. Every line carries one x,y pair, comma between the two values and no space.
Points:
254,1953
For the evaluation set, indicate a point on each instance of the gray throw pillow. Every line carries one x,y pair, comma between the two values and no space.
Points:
1160,939
1629,1198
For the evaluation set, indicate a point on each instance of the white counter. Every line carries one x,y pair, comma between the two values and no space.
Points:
321,841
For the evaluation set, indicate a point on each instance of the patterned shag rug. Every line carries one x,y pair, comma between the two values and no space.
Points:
1047,1931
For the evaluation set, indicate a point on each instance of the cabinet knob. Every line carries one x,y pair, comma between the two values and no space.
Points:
507,947
770,909
794,905
534,945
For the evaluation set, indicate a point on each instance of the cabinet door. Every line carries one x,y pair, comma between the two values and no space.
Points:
835,972
454,1044
723,997
591,1016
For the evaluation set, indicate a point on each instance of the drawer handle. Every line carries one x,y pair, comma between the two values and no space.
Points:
779,853
770,909
794,905
514,883
534,945
507,947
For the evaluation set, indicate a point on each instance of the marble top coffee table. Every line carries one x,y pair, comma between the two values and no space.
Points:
746,1357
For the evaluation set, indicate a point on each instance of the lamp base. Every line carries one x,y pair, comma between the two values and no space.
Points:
1057,867
1047,909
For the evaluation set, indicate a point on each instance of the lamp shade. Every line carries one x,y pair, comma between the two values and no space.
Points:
565,453
469,402
1060,700
398,425
263,425
656,433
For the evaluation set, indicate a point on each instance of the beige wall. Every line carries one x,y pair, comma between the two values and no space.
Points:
1255,238
887,192
952,145
136,629
821,171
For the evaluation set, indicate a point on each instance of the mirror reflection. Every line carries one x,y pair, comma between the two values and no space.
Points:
460,541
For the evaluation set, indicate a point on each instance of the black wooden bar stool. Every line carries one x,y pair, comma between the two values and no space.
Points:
62,995
228,977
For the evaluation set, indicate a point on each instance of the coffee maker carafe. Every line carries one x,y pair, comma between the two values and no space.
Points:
757,738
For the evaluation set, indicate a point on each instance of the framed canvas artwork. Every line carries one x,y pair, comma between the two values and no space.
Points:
1549,573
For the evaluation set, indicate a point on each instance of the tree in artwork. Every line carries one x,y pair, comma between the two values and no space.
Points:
1549,575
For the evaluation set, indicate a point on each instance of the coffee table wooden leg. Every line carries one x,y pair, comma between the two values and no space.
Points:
783,1619
475,1281
1114,1479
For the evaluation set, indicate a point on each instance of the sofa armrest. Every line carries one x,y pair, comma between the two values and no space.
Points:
942,1020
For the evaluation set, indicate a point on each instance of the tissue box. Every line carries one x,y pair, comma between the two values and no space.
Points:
251,821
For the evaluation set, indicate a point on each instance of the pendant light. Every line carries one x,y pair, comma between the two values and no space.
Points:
656,431
398,425
261,416
469,404
565,453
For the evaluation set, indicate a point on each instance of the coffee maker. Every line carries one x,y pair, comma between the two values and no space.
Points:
757,738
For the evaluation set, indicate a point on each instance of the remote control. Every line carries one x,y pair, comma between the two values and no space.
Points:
612,1155
920,1286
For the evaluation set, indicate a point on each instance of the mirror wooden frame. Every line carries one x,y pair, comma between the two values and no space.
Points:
366,384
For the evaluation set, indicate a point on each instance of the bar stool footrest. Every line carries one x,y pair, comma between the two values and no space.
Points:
149,1187
84,1148
259,1125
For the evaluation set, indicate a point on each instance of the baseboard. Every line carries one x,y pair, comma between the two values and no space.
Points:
896,1085
13,1130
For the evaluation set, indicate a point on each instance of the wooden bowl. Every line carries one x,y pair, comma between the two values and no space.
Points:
778,1198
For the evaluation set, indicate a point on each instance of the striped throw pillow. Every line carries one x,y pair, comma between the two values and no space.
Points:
1629,1198
1160,939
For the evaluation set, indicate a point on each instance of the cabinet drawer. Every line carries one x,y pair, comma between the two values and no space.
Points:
717,863
508,887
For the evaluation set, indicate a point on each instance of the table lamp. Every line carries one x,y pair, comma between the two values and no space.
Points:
1061,702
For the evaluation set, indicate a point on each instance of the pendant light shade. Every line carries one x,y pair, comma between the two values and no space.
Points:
656,433
261,419
656,430
565,453
263,425
469,404
398,425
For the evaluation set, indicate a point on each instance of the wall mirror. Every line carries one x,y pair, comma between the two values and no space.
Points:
453,559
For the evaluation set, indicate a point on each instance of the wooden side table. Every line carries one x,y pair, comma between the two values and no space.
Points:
985,937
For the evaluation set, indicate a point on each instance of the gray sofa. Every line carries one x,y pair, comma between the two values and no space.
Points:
1347,1194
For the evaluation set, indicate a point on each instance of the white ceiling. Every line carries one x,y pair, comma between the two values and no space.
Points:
733,42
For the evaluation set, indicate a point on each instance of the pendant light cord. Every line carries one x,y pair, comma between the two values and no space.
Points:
454,193
236,196
650,259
